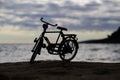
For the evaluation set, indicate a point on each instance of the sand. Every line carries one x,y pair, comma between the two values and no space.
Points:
58,70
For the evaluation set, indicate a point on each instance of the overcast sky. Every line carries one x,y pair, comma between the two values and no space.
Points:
89,19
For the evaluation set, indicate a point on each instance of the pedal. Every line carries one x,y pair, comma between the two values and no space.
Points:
44,45
32,50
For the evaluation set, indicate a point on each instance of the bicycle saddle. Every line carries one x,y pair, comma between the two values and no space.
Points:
62,28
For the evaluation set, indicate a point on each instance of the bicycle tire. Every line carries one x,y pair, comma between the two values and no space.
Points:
37,51
33,57
62,53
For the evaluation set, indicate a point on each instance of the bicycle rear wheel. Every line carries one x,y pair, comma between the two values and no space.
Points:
68,49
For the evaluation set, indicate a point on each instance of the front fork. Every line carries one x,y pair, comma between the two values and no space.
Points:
38,45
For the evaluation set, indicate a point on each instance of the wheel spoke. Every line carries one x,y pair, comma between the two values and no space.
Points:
68,50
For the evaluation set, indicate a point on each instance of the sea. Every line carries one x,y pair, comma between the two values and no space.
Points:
105,53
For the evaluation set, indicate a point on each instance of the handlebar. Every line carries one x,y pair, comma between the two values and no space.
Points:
47,22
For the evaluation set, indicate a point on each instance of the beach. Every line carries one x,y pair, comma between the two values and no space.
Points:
58,70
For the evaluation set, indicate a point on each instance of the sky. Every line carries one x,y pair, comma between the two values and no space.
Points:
89,19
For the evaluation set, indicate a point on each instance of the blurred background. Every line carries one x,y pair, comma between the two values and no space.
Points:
89,19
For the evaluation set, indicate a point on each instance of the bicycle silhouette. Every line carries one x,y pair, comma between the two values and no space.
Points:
66,49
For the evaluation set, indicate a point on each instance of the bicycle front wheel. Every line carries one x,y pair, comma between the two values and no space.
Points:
36,50
33,57
68,49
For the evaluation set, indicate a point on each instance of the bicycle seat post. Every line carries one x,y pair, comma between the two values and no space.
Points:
58,37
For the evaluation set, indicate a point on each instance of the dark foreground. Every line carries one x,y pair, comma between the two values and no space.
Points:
57,70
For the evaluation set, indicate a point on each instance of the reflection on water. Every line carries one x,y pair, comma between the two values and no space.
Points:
86,52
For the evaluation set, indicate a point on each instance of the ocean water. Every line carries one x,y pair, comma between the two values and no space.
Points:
106,53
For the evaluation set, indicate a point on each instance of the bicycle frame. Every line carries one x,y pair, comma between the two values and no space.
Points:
42,38
60,34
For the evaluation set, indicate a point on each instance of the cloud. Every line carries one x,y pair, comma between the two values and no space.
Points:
77,15
20,19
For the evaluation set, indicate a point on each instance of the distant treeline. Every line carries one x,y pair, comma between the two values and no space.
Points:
113,38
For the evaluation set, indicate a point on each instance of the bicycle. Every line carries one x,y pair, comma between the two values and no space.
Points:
66,49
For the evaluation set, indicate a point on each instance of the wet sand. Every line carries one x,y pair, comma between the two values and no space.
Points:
58,70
